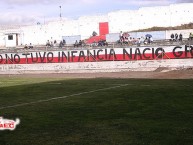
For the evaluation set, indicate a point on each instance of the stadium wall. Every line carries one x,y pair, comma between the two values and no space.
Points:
98,60
97,54
96,67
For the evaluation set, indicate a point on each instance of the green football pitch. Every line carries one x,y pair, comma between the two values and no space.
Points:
56,111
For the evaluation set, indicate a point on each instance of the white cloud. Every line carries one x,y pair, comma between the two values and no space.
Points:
15,18
184,1
131,2
147,2
31,11
89,1
49,2
31,2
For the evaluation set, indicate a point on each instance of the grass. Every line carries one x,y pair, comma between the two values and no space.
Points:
149,112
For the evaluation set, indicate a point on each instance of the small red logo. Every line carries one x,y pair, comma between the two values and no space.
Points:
7,124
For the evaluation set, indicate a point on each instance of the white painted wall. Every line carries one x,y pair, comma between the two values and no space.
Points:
123,20
2,40
88,24
181,13
153,16
10,43
89,67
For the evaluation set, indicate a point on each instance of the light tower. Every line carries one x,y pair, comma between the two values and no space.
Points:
60,12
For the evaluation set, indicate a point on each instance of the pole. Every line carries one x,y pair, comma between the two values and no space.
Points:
60,12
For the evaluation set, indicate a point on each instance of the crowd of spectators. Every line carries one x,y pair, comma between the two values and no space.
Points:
100,43
79,43
55,44
124,38
30,46
176,37
62,43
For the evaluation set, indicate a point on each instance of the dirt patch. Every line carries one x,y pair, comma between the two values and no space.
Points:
177,74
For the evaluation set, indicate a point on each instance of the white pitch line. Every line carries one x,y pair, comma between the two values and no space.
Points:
56,98
145,85
55,83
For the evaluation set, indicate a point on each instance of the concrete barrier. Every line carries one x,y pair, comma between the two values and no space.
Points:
95,67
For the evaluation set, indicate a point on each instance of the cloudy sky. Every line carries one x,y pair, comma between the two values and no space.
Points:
33,11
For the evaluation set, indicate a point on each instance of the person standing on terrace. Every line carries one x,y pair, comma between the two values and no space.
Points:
180,37
172,37
120,35
76,43
48,43
190,36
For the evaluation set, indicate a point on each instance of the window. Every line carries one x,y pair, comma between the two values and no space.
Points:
10,37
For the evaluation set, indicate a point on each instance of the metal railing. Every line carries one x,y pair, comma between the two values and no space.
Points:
39,48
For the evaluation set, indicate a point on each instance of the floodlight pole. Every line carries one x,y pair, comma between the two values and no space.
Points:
60,12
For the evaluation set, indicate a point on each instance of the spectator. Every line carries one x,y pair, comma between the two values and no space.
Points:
83,43
76,44
48,43
191,36
133,41
61,44
125,36
100,43
180,37
64,42
146,40
26,46
30,46
151,39
141,40
94,33
176,37
105,43
80,43
51,44
55,43
130,41
120,35
172,37
138,42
